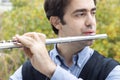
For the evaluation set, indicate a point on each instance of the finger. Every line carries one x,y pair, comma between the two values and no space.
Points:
25,40
42,36
34,35
16,41
37,36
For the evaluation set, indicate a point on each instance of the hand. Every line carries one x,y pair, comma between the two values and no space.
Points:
35,49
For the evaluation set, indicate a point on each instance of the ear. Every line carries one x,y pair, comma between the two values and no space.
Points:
55,21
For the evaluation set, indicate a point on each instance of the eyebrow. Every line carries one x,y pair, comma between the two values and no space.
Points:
83,10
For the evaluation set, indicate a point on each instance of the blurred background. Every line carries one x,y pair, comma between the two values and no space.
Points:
20,16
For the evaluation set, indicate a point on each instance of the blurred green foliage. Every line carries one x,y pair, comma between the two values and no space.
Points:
28,16
108,21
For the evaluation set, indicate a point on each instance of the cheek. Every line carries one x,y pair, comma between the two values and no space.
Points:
79,26
75,30
73,26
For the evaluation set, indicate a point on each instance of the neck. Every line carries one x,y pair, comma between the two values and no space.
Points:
67,50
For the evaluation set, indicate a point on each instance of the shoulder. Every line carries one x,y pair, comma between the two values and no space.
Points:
105,61
114,74
30,73
27,65
104,64
28,68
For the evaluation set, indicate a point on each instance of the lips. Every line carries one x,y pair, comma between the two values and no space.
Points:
89,33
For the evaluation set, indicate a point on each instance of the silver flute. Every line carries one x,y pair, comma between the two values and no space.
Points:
10,44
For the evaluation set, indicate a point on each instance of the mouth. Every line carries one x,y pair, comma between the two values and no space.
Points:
89,33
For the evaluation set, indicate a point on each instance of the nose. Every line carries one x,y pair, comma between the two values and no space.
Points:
90,20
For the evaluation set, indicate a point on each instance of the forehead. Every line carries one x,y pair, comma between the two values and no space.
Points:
80,4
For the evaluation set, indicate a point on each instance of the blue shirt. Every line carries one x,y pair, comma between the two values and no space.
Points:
72,71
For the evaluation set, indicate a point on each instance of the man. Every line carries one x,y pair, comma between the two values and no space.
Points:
67,61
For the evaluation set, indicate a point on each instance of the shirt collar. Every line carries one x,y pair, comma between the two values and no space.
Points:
84,55
55,55
81,57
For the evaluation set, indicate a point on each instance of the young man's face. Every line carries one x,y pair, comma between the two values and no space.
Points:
79,18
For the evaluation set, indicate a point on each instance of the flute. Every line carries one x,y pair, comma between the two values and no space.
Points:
10,44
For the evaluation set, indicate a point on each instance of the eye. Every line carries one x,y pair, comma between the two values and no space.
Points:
93,12
80,14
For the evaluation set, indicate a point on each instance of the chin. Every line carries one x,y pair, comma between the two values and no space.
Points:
89,42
